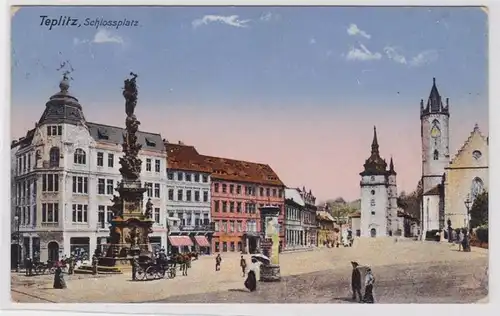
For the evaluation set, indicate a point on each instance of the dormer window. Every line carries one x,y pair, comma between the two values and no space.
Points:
102,133
54,130
150,142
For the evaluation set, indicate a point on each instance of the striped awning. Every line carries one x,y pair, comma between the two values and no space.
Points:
180,241
202,241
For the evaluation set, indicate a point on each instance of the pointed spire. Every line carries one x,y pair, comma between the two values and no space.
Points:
434,101
391,165
375,141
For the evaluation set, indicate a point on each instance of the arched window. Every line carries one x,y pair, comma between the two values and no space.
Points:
80,156
54,157
436,154
476,188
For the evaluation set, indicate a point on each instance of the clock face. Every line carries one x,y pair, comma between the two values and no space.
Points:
435,132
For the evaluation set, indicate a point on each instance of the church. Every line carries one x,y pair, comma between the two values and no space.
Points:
379,207
448,183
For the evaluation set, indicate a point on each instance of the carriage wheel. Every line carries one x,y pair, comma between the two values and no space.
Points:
150,273
140,274
171,273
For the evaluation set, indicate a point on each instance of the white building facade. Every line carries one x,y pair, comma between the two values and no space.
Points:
378,196
188,200
65,175
294,230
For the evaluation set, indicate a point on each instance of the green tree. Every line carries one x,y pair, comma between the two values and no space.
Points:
479,210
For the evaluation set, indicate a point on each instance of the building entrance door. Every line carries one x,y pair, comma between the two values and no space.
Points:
373,232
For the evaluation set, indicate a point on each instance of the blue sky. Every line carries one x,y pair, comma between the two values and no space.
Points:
335,63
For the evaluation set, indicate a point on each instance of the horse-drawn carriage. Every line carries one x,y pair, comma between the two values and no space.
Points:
150,268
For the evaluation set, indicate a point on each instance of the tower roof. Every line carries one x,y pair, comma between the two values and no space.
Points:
434,102
374,165
62,107
391,168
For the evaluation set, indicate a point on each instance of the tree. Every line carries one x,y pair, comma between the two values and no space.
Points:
479,210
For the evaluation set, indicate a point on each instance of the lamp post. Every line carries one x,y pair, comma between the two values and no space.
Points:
18,236
468,203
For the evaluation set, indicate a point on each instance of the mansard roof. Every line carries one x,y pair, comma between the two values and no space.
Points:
114,135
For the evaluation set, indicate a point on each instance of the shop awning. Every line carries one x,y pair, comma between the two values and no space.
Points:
180,241
202,241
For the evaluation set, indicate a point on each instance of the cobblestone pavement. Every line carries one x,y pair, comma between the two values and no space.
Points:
415,264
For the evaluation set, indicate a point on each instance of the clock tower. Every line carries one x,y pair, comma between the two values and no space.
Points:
434,122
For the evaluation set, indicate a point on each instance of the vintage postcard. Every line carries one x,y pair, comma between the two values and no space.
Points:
264,154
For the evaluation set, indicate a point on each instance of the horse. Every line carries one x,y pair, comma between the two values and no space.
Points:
184,261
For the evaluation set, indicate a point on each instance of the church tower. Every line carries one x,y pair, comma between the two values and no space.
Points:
434,121
374,197
393,224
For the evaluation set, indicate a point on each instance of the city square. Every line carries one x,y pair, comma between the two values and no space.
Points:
137,193
406,271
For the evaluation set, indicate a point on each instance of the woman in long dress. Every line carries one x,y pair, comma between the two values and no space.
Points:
369,280
59,282
251,281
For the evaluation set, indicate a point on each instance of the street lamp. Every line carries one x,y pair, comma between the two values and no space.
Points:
18,235
468,203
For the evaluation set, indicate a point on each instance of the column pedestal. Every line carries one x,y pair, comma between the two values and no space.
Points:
270,273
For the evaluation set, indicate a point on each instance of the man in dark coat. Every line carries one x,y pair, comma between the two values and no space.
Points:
218,260
356,281
243,265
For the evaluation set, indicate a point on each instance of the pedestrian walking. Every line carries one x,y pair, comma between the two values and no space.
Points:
369,281
243,265
356,281
218,261
29,266
59,282
94,264
251,281
71,264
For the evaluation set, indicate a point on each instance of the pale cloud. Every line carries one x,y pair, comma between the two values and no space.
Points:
312,41
105,36
268,16
395,55
353,30
77,41
363,54
424,58
231,20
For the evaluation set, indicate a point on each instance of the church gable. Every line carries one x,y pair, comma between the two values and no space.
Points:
474,152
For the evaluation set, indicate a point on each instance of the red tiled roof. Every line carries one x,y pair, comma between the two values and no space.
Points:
182,157
237,170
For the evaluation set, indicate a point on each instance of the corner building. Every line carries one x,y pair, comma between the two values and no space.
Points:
239,189
64,174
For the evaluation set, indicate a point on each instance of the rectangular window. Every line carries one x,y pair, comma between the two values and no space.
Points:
268,192
274,192
231,188
238,226
80,185
170,194
59,130
205,196
156,215
157,190
224,246
238,207
101,216
24,163
188,177
29,162
109,187
232,246
49,130
149,188
188,195
80,213
216,206
196,177
111,160
205,178
50,212
54,130
170,175
197,196
280,193
216,226
224,188
217,246
224,206
231,226
101,186
148,164
261,192
157,165
50,183
231,207
216,187
180,176
179,195
100,159
224,226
